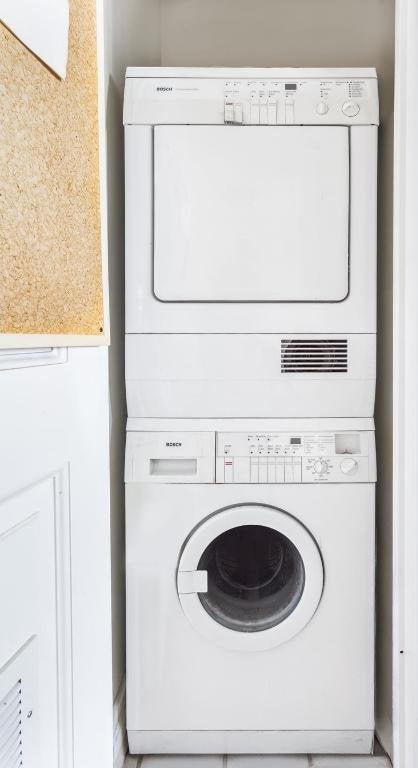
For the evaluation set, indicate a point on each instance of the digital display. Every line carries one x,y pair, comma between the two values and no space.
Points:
290,86
295,441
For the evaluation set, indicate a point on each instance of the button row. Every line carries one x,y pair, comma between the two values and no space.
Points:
265,111
268,450
263,470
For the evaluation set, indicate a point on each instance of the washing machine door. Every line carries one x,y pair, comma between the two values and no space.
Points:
250,577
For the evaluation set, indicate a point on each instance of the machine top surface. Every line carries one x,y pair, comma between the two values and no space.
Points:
250,96
286,72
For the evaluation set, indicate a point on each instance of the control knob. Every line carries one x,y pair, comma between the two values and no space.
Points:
350,108
320,466
322,108
349,466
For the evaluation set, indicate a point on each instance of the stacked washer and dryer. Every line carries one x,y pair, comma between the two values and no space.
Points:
250,377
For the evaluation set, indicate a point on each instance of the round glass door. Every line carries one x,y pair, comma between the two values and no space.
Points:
256,578
250,577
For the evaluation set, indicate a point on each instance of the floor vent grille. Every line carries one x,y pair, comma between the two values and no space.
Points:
11,728
314,356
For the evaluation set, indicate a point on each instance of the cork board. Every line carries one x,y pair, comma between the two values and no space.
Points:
50,240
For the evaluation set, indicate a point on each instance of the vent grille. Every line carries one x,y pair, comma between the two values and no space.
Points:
11,728
314,356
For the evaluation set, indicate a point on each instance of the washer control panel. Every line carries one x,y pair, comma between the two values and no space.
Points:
309,457
295,98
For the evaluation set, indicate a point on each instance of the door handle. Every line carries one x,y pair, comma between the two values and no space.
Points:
189,582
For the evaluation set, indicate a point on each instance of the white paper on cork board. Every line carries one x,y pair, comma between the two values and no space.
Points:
42,25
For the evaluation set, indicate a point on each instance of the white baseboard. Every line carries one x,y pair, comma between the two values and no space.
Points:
120,741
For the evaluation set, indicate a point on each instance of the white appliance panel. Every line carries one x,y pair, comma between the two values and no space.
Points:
252,96
238,375
244,216
257,457
134,424
296,457
170,663
145,314
205,269
167,457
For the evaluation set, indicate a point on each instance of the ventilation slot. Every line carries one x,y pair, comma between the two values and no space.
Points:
314,356
11,728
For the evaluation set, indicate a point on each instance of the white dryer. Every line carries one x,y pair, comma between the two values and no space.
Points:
250,242
250,587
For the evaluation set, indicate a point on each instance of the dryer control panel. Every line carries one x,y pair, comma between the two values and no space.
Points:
251,97
326,457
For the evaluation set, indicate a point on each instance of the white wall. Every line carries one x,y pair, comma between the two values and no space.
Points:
278,33
132,36
384,426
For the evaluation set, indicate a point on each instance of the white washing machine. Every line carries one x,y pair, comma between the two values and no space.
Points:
250,242
250,587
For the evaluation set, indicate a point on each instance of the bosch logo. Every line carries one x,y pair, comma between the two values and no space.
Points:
164,88
173,445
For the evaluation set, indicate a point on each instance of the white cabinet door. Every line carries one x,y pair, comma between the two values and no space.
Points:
250,213
34,593
55,554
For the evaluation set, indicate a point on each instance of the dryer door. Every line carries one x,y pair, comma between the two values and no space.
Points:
251,213
250,577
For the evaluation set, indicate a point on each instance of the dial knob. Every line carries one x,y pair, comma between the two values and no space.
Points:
351,108
322,108
349,466
320,466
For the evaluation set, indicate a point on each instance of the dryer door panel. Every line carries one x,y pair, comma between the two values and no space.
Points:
251,213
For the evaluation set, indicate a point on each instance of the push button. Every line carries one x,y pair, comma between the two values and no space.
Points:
271,470
280,470
229,470
255,114
289,111
271,112
238,113
229,113
263,110
293,469
262,470
253,470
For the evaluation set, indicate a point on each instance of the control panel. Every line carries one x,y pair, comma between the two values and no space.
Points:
256,457
276,102
343,457
299,100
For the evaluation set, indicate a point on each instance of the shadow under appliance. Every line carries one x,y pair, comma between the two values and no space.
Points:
250,242
250,589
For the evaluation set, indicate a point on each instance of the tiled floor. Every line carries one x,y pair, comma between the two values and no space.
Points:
257,761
